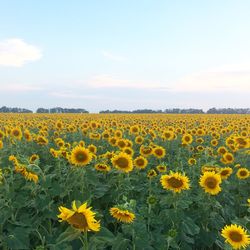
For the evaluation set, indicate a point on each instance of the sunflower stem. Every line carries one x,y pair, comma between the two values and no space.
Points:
86,246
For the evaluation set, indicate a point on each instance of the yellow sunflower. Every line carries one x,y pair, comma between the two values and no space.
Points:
16,133
211,181
159,152
175,182
151,173
186,139
225,173
123,162
191,161
236,236
80,156
161,168
243,173
140,162
228,158
82,218
102,167
121,215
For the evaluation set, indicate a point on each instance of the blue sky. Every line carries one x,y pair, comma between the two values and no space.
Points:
125,54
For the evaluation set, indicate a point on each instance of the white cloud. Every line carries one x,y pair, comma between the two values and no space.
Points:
15,52
19,88
232,78
113,57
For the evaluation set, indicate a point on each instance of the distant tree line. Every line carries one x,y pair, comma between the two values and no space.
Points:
59,110
5,109
180,111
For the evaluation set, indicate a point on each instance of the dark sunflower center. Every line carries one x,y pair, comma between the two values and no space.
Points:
80,156
243,173
158,151
235,236
78,221
140,162
211,182
187,139
122,162
175,183
16,133
224,172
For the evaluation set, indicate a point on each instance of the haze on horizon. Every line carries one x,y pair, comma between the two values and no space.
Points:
129,55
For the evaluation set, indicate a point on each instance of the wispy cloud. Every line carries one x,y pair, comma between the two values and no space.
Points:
15,52
113,57
20,88
232,78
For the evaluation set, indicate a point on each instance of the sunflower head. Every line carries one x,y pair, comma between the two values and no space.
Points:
123,162
175,182
243,173
122,215
80,156
82,217
210,182
236,236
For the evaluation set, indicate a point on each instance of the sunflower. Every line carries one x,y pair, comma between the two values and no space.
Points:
186,139
161,168
151,173
82,218
222,150
159,152
16,133
102,167
92,148
236,236
140,162
139,139
225,173
191,161
146,150
228,158
123,162
1,144
80,156
211,181
243,173
33,158
121,215
175,182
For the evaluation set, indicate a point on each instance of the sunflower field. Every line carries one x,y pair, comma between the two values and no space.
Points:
124,181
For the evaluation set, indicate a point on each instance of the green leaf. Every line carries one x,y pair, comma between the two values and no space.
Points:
68,235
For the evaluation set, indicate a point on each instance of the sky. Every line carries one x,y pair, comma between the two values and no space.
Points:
126,55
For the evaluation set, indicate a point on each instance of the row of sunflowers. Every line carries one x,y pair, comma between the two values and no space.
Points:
115,181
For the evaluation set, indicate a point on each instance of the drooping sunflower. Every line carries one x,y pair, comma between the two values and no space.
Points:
121,215
236,236
151,173
123,162
80,156
33,158
175,182
243,173
82,218
225,173
102,167
211,181
140,162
